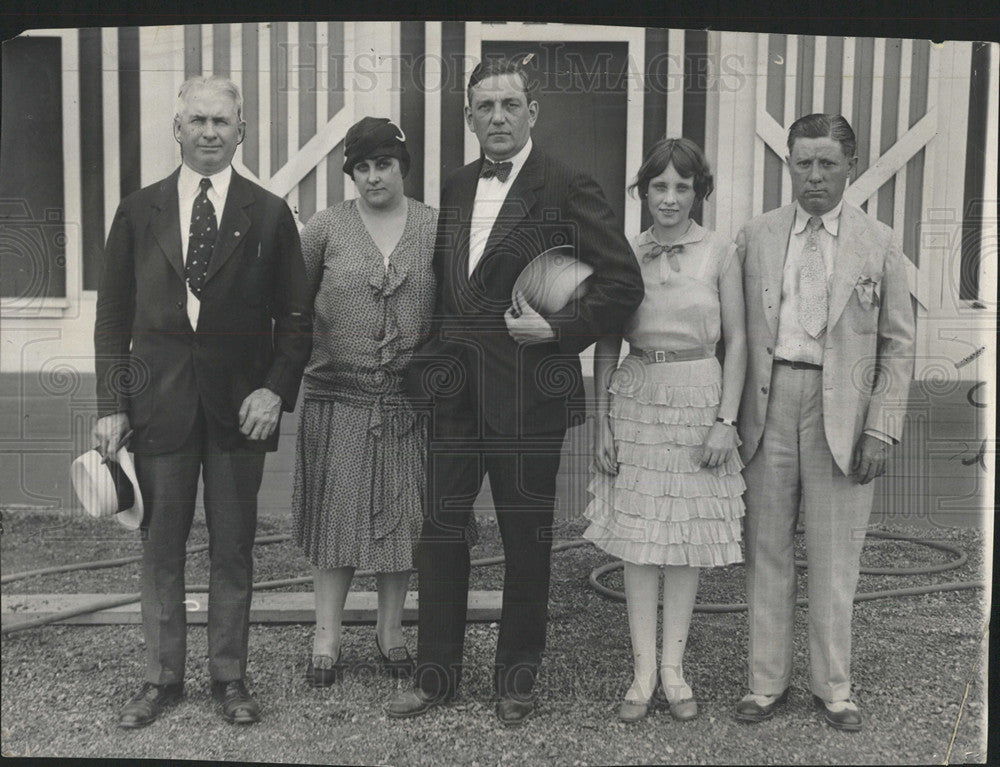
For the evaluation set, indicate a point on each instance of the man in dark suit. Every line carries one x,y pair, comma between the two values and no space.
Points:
512,379
203,330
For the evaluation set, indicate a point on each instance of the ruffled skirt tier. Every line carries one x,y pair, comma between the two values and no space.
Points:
663,507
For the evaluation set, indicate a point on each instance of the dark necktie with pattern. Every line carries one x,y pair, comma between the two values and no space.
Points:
202,235
812,282
499,169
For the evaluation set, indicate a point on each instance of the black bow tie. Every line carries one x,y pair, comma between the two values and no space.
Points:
499,169
671,251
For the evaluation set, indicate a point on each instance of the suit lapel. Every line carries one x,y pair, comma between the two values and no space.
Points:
235,223
166,222
773,258
850,258
518,202
465,197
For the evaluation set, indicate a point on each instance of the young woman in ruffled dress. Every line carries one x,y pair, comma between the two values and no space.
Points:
667,489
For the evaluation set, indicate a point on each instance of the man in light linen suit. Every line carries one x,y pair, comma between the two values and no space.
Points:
830,343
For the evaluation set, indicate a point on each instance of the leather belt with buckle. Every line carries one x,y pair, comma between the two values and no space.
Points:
796,365
672,355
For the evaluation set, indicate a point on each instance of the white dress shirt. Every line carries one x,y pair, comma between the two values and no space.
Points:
188,188
490,196
794,343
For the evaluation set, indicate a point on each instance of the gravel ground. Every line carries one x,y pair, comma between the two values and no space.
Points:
62,686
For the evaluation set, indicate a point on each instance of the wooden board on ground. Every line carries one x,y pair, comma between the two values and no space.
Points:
267,607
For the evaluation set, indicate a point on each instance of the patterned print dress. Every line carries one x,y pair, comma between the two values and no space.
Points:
663,507
359,464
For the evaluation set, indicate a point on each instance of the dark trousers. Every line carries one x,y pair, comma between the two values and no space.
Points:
522,474
169,486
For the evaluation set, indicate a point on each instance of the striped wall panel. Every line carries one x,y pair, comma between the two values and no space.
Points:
294,77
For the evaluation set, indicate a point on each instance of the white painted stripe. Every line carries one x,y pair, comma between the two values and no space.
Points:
929,273
264,102
675,81
109,103
902,124
791,92
988,246
72,172
321,95
763,121
292,116
819,75
236,68
207,49
294,94
633,132
712,130
737,140
161,72
350,106
432,112
875,127
474,31
847,84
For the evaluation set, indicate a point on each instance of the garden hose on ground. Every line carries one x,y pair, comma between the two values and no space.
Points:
593,580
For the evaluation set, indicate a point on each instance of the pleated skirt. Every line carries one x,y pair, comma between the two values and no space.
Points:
359,483
663,507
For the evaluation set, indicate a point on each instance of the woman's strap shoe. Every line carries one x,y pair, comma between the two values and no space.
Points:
631,711
684,710
324,670
398,662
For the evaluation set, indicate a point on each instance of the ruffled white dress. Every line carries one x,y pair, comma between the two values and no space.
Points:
663,507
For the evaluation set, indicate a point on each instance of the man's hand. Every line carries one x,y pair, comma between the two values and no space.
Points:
110,433
870,455
524,324
259,414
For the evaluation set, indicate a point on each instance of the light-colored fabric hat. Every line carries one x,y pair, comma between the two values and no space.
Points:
553,279
107,488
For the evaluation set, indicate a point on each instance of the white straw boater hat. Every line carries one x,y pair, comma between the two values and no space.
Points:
107,487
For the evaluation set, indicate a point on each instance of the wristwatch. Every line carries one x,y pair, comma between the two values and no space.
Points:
726,421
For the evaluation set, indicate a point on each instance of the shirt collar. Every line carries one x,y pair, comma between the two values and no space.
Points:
189,181
831,219
695,233
517,161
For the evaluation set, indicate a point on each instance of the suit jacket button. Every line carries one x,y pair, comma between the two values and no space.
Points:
770,350
180,304
763,390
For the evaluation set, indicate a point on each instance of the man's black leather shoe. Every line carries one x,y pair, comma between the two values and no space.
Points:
512,712
236,705
150,702
412,702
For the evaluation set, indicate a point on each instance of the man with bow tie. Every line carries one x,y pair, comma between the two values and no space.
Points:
203,330
514,380
830,357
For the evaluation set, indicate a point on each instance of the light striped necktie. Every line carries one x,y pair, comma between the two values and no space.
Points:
813,305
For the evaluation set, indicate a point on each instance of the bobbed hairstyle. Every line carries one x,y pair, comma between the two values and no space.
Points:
688,160
503,66
824,126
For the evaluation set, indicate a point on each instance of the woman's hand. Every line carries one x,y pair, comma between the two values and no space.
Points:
721,441
605,454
